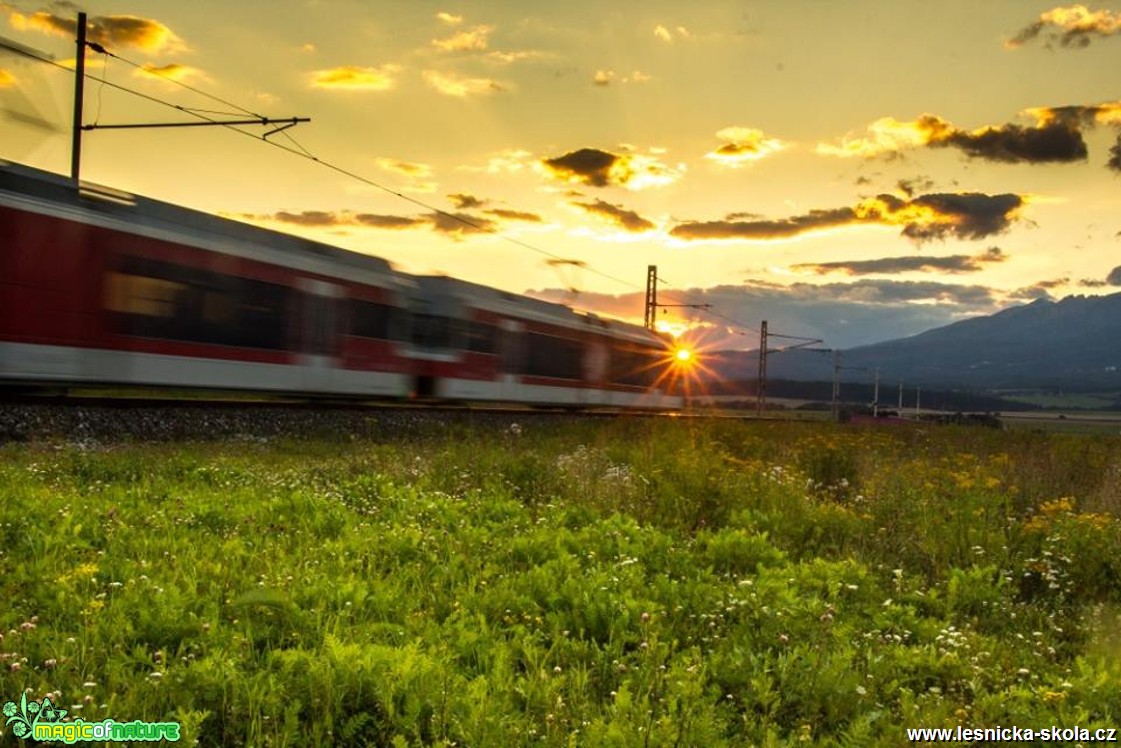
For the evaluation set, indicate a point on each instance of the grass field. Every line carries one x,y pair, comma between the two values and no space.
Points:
633,583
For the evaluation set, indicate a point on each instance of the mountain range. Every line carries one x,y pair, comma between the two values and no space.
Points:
1072,345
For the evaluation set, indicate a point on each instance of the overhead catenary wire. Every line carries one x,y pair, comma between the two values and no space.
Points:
299,151
707,309
162,74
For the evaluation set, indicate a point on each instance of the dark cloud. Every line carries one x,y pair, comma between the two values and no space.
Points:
589,166
953,264
1115,155
1040,290
453,224
1032,293
376,221
760,229
1054,142
1055,137
917,184
596,168
970,215
1092,283
118,31
514,215
460,224
1074,26
924,218
1053,283
309,218
466,202
1114,277
618,215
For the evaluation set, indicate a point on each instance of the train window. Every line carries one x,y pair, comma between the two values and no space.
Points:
482,337
552,356
633,366
380,321
434,331
154,299
135,294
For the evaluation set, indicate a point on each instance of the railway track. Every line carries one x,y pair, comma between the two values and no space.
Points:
152,417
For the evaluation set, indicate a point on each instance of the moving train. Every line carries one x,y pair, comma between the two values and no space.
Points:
100,287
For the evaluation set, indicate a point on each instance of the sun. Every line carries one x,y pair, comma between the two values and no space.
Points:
683,355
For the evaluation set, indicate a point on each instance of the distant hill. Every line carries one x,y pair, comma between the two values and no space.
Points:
1073,345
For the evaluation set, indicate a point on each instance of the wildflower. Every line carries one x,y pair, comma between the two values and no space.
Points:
15,667
48,664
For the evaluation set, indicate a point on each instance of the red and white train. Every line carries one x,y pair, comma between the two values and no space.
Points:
106,288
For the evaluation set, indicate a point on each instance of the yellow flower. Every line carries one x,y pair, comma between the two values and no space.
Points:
1064,505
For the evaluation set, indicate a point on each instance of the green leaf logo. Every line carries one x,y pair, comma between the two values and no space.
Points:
23,717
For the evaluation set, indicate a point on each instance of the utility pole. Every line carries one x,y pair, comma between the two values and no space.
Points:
652,305
764,338
79,95
836,385
761,391
918,391
900,397
876,395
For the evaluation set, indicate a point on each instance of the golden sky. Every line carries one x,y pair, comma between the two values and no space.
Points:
854,170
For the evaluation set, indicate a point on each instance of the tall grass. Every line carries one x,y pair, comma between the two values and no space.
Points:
640,583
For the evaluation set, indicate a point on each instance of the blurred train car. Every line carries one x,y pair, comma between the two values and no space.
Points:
471,342
101,287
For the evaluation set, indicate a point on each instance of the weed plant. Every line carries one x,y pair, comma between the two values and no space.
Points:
634,583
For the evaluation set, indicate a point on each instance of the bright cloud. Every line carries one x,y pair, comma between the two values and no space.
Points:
356,78
451,84
744,145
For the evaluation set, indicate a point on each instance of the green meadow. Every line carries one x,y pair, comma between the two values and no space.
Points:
652,582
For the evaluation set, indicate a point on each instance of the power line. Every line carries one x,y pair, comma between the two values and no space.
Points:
162,74
298,150
301,152
709,310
